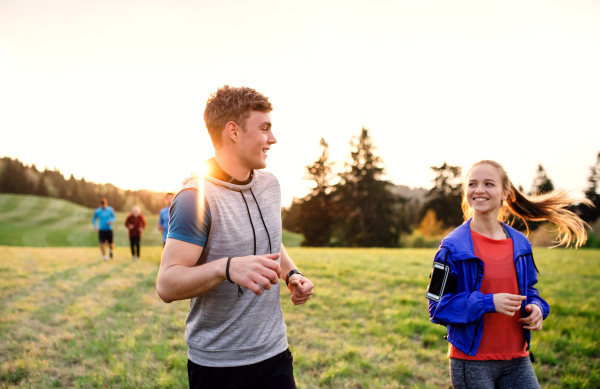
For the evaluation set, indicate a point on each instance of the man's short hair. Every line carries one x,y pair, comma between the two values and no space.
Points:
232,104
168,194
104,201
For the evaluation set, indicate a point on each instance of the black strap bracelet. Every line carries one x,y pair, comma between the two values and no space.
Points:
227,270
287,278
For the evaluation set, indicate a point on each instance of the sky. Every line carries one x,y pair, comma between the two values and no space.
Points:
115,90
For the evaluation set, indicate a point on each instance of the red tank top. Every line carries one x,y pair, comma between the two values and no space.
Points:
503,336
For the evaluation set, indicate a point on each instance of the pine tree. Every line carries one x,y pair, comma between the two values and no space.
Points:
367,211
315,215
541,183
14,178
290,216
445,197
75,193
590,214
41,189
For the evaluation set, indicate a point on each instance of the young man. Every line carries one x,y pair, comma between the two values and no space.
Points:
163,219
135,224
224,252
106,217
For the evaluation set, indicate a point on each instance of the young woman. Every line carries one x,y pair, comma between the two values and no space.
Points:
482,284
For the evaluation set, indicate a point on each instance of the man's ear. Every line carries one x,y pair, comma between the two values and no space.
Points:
232,131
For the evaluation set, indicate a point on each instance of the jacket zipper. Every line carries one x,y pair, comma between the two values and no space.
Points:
519,281
479,271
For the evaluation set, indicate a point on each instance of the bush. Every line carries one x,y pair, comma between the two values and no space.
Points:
418,241
593,241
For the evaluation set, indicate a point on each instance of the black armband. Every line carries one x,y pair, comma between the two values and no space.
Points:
441,282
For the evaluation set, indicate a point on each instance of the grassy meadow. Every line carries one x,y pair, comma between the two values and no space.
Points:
69,319
35,221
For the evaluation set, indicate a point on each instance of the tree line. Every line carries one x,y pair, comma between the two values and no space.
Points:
18,178
358,208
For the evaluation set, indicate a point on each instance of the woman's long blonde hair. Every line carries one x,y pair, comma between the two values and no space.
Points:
549,207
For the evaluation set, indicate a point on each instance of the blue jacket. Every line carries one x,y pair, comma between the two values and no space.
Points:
104,216
462,310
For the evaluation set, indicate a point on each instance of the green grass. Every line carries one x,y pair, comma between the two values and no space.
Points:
47,222
68,319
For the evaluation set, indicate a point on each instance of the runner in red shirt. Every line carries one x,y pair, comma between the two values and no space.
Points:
135,223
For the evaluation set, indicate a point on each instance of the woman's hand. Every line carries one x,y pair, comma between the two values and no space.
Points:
535,319
507,304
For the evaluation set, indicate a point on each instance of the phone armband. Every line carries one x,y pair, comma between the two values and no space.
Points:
441,282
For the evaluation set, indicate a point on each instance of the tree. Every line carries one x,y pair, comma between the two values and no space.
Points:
445,197
41,189
75,194
315,214
14,178
430,225
321,171
289,216
541,183
590,214
367,212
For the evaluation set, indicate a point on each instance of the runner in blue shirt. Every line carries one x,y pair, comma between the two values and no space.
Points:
106,217
163,220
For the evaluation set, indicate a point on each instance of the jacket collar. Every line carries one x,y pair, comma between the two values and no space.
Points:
460,242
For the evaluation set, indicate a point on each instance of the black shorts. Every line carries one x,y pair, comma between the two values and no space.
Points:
274,373
105,236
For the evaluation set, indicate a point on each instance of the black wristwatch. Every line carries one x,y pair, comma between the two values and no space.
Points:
287,278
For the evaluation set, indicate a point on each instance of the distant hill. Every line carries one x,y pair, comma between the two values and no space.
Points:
34,221
414,193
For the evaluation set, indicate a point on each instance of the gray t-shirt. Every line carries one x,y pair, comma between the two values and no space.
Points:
223,328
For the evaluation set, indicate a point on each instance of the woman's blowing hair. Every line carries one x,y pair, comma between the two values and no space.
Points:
551,207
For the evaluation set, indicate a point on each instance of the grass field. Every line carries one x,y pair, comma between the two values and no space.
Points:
47,222
68,319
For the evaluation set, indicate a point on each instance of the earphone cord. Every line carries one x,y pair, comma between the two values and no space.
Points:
253,230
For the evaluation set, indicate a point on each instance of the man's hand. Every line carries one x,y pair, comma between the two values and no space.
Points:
255,271
301,289
507,304
130,226
534,321
95,229
109,223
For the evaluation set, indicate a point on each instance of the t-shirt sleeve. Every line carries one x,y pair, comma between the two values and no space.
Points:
188,220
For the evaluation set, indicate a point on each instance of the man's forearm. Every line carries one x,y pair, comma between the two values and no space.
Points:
181,282
287,265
